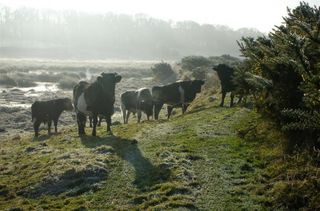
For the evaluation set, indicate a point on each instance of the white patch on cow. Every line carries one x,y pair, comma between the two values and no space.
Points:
82,105
181,91
139,92
123,107
141,89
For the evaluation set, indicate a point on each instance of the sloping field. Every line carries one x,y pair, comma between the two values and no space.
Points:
194,161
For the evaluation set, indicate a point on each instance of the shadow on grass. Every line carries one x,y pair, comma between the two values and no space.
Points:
43,137
146,174
46,136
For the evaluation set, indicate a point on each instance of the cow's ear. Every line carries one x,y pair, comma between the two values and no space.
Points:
118,78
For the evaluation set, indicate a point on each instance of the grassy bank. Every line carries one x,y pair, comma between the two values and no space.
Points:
192,161
210,159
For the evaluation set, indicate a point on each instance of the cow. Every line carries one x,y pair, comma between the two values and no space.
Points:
178,94
48,112
137,101
93,99
226,74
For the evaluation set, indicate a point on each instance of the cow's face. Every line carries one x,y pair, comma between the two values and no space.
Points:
67,104
220,67
197,85
108,81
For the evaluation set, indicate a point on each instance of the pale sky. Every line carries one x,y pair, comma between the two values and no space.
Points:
260,14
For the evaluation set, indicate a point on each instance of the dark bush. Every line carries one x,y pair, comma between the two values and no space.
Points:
193,62
67,83
163,73
199,73
7,81
289,57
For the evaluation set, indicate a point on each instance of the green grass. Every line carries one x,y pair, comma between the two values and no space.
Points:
194,161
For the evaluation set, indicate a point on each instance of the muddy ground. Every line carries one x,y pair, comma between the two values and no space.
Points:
44,82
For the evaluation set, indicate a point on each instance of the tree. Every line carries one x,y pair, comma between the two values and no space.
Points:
290,58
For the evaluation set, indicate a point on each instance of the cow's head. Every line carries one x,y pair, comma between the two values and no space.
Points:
196,84
108,81
220,67
67,104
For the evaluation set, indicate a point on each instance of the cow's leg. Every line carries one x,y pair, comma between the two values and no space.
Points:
139,115
123,109
240,99
94,127
55,122
36,126
127,117
181,91
231,99
124,116
81,119
99,122
157,108
222,99
169,110
184,108
49,126
108,120
90,121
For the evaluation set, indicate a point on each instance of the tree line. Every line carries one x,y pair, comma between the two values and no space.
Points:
30,32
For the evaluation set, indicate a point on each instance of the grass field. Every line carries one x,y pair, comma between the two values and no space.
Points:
211,158
195,161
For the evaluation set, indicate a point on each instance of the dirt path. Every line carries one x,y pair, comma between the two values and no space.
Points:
208,165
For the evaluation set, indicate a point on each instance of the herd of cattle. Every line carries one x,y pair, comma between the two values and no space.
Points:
96,100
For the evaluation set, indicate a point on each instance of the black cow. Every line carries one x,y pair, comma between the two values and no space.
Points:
48,111
136,101
178,94
93,99
225,74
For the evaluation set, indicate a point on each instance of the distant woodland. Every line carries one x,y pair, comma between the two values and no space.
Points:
29,32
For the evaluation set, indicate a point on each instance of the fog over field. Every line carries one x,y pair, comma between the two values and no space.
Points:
132,30
36,33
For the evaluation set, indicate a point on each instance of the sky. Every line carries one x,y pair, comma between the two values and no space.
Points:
259,14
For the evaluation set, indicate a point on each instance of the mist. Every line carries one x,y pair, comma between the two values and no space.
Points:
39,33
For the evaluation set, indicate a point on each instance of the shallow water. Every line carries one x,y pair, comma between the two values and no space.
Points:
15,103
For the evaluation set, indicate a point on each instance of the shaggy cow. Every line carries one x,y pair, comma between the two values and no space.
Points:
93,99
48,111
225,74
136,101
178,94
